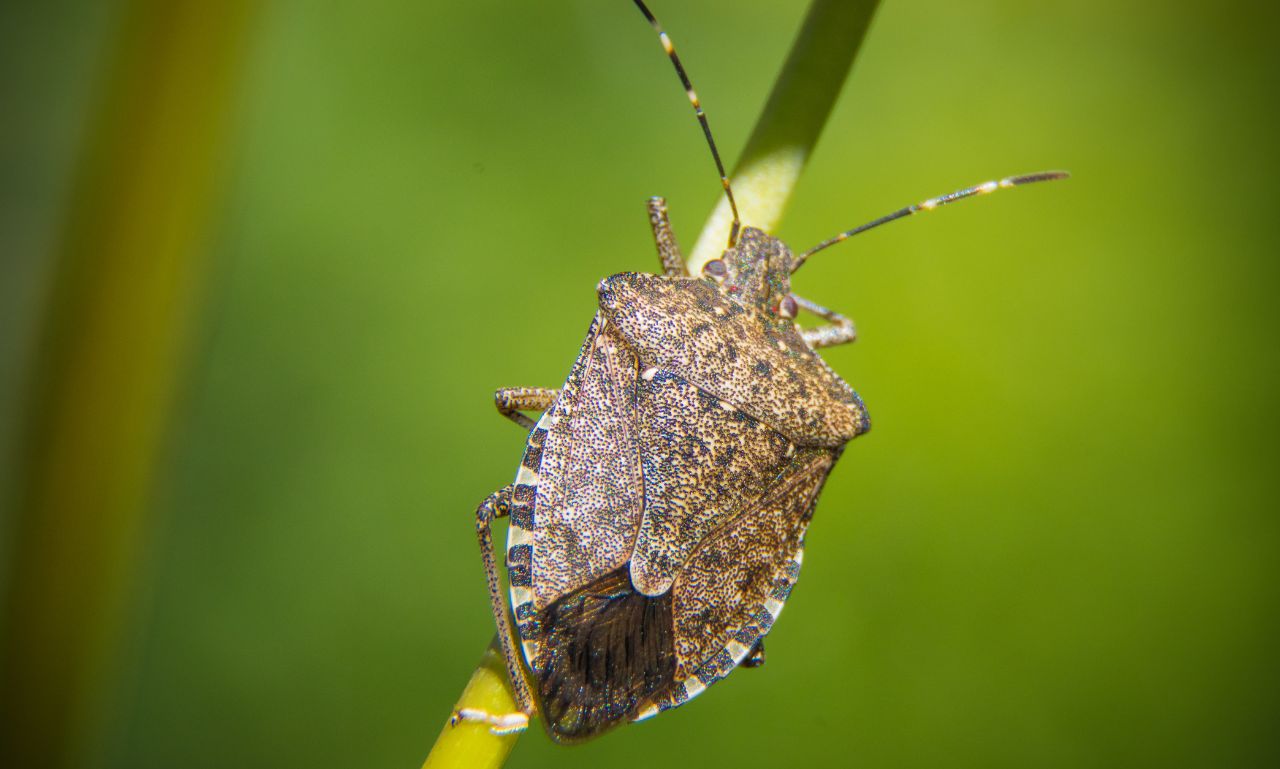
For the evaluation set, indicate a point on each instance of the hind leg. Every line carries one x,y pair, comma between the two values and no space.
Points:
496,506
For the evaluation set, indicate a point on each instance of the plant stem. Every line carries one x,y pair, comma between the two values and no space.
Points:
782,141
125,290
792,120
471,744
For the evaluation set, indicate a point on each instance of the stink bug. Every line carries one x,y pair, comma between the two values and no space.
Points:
657,520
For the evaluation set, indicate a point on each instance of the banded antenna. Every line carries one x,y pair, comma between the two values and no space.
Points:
930,204
702,116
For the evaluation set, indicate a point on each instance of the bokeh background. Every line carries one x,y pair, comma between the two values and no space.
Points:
1056,548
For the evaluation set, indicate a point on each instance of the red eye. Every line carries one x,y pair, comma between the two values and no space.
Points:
787,307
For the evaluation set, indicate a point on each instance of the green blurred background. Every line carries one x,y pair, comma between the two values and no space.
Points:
1057,548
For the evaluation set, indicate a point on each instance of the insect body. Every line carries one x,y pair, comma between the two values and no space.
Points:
658,516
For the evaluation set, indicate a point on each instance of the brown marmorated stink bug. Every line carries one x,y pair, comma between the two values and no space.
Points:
657,520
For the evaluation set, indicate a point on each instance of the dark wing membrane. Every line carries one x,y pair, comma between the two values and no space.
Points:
687,326
704,461
606,652
733,586
589,490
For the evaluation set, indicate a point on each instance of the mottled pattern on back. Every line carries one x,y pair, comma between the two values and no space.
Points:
728,580
704,461
588,493
689,327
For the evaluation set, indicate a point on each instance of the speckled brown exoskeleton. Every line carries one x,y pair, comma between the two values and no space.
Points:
658,517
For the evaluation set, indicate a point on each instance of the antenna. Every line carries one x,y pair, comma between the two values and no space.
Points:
932,203
702,116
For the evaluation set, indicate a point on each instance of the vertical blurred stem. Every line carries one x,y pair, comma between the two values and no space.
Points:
125,288
793,118
782,141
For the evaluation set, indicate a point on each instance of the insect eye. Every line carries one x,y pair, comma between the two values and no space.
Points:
715,269
787,307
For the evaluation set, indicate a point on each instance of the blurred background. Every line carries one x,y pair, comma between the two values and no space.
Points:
262,265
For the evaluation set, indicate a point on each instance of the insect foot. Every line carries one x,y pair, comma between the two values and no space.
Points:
507,723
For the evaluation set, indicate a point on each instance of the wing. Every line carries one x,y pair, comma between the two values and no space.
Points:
689,327
736,582
607,651
588,486
704,461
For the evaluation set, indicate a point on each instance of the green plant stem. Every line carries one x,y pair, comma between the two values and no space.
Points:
125,286
471,745
792,120
763,181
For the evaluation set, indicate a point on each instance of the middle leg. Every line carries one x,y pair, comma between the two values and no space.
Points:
837,330
512,400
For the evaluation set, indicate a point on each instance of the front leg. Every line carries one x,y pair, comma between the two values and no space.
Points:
838,329
673,265
512,400
496,505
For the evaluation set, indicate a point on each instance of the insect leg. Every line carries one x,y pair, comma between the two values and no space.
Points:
668,250
496,505
839,329
512,400
755,658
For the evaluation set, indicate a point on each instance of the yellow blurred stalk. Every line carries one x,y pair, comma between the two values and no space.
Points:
471,744
765,177
125,290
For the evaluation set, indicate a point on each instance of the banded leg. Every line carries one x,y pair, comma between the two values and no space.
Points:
673,265
755,658
496,505
512,400
838,329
